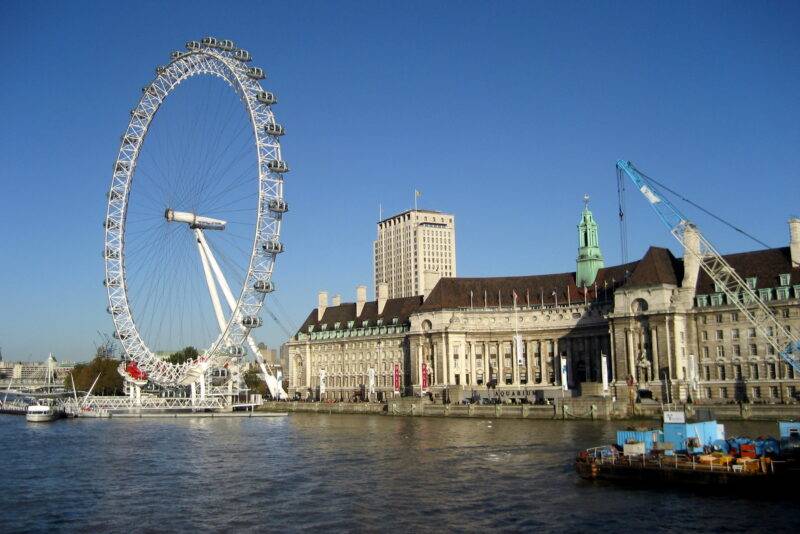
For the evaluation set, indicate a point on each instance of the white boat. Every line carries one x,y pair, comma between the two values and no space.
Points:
42,413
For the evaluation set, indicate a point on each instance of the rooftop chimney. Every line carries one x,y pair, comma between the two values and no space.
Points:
361,299
429,281
337,300
691,256
794,241
383,294
322,304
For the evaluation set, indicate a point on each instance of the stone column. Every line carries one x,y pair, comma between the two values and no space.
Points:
654,348
629,351
307,367
417,381
444,375
435,356
470,346
669,333
448,363
556,363
612,376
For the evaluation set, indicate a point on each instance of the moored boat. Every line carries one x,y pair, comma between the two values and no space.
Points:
695,454
42,413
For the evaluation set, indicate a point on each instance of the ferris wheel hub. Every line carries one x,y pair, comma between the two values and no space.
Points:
193,220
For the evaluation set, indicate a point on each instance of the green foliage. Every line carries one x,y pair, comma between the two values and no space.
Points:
109,383
255,382
182,356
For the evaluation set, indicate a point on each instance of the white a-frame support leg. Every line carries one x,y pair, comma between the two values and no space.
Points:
275,389
212,287
212,290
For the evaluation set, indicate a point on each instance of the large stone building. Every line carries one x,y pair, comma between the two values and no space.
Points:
657,325
413,250
34,373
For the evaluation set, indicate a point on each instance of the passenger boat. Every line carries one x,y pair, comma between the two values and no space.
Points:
42,413
696,454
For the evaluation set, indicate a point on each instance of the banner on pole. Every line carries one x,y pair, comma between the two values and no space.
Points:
520,348
371,374
604,371
397,378
564,381
322,381
424,380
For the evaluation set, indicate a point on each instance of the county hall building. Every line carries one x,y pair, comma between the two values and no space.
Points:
656,325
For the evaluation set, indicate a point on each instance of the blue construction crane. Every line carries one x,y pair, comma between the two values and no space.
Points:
725,278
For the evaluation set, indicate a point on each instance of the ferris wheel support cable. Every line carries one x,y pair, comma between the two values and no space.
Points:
725,277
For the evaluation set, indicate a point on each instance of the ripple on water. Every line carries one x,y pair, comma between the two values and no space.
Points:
337,473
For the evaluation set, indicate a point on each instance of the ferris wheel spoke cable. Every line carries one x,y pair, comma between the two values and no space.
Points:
206,174
157,168
164,300
143,308
143,172
230,148
197,131
158,294
227,204
211,166
220,188
286,315
187,137
149,252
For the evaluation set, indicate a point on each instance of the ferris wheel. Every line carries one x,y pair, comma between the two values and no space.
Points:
193,220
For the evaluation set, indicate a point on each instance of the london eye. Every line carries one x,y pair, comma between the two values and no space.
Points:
193,219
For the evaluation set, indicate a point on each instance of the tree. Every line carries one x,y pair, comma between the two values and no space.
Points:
182,356
255,382
84,374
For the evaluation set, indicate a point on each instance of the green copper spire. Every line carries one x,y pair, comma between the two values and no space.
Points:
590,260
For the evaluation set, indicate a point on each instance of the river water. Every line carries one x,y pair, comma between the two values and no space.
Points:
341,473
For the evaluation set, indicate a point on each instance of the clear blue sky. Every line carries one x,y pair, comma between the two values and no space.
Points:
504,113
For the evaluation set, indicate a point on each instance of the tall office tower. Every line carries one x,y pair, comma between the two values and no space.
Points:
413,250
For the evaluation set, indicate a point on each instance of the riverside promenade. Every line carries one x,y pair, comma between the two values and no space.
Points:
562,409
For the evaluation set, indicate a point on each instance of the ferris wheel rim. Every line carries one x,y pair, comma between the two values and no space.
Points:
230,65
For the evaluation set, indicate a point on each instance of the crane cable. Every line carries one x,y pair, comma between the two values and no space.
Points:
688,201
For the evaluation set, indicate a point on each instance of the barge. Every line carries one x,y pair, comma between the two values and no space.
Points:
696,454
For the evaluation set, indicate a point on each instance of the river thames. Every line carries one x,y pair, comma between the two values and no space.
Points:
340,473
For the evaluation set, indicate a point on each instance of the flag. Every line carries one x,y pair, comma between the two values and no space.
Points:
417,194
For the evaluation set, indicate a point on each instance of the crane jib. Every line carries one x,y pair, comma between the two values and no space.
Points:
737,292
648,193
